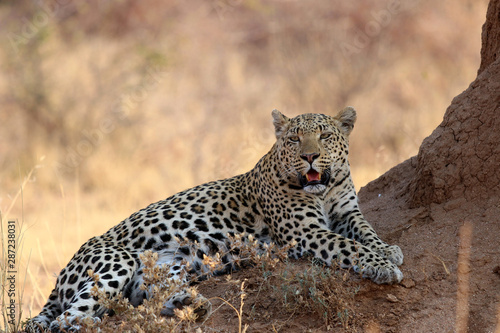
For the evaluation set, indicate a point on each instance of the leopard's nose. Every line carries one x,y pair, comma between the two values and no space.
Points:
309,157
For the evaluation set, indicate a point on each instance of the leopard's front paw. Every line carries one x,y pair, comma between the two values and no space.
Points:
392,253
202,306
386,273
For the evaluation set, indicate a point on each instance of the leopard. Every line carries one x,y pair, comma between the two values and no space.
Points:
300,192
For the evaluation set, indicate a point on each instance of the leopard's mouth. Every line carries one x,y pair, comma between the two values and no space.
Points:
313,177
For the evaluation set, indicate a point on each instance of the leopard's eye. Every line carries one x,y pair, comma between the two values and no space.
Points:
294,139
325,136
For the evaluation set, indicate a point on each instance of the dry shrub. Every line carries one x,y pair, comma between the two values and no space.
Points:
161,287
325,291
145,317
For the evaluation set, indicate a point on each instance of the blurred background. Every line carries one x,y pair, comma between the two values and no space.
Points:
111,105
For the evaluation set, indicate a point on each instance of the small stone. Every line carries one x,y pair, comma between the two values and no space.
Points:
391,298
408,283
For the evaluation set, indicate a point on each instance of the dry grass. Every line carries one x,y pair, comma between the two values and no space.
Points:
130,102
324,292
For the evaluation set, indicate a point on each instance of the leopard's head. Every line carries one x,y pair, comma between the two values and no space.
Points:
312,148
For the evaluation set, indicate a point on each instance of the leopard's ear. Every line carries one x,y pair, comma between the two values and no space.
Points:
347,118
281,123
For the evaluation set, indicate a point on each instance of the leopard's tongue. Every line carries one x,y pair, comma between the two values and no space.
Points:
312,176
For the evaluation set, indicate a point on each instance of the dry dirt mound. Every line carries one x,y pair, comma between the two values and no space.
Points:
443,207
430,238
